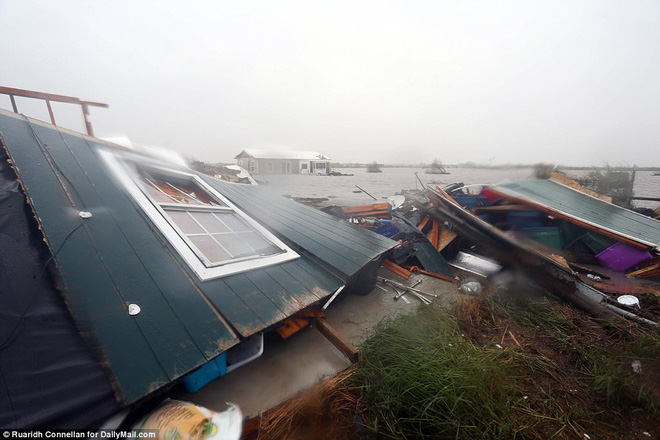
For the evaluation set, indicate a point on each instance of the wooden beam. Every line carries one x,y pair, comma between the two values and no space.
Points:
48,96
337,340
436,275
50,112
391,265
423,223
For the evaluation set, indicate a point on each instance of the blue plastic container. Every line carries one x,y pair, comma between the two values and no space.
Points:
206,373
387,230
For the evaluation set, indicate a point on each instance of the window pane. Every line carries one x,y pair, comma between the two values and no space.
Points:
173,190
233,222
260,245
234,245
184,221
209,248
210,222
245,245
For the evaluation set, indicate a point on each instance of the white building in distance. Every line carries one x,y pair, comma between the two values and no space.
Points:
283,161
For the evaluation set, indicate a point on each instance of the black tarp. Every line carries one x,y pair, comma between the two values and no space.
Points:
48,375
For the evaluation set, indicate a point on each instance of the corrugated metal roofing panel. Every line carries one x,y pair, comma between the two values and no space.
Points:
112,259
566,201
343,246
118,257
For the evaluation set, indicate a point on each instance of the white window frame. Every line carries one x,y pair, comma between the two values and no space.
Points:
116,164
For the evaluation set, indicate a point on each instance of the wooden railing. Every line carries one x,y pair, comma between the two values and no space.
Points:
48,97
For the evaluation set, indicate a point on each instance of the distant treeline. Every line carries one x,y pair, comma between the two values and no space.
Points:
494,167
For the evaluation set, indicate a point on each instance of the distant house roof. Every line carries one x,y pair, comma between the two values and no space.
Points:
281,154
109,254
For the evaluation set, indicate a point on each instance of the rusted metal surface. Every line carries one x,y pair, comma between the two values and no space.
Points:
48,97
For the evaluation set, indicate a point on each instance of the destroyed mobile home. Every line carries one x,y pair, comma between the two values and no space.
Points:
599,256
123,274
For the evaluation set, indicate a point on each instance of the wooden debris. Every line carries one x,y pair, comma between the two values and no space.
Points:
299,321
514,339
337,340
445,237
434,234
561,178
423,223
559,259
391,265
380,210
652,270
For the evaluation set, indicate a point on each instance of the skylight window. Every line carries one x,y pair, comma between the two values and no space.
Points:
210,233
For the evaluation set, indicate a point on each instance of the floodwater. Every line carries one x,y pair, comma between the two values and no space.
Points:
343,191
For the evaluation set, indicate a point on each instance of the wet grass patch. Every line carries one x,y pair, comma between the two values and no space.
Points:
499,368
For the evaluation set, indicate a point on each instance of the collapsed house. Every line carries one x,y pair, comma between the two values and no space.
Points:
573,244
122,273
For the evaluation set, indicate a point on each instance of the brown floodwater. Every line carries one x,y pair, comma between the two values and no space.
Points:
342,190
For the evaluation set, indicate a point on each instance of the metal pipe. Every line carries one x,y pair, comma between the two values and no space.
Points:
403,293
366,193
334,295
403,286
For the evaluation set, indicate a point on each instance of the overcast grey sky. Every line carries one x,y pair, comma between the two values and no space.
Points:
571,82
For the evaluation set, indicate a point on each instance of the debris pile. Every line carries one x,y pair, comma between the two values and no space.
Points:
568,240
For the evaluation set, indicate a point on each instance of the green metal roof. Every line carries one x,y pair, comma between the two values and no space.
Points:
558,198
118,257
328,239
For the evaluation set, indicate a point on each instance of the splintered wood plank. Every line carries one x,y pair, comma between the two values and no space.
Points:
391,265
445,237
424,223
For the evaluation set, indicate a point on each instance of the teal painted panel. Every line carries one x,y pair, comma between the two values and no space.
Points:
288,302
363,240
338,243
208,330
344,259
431,259
308,273
96,303
562,199
167,337
284,274
360,240
259,303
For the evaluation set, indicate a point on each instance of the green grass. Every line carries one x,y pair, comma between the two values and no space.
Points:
421,377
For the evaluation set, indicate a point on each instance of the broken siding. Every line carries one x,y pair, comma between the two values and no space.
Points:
562,200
